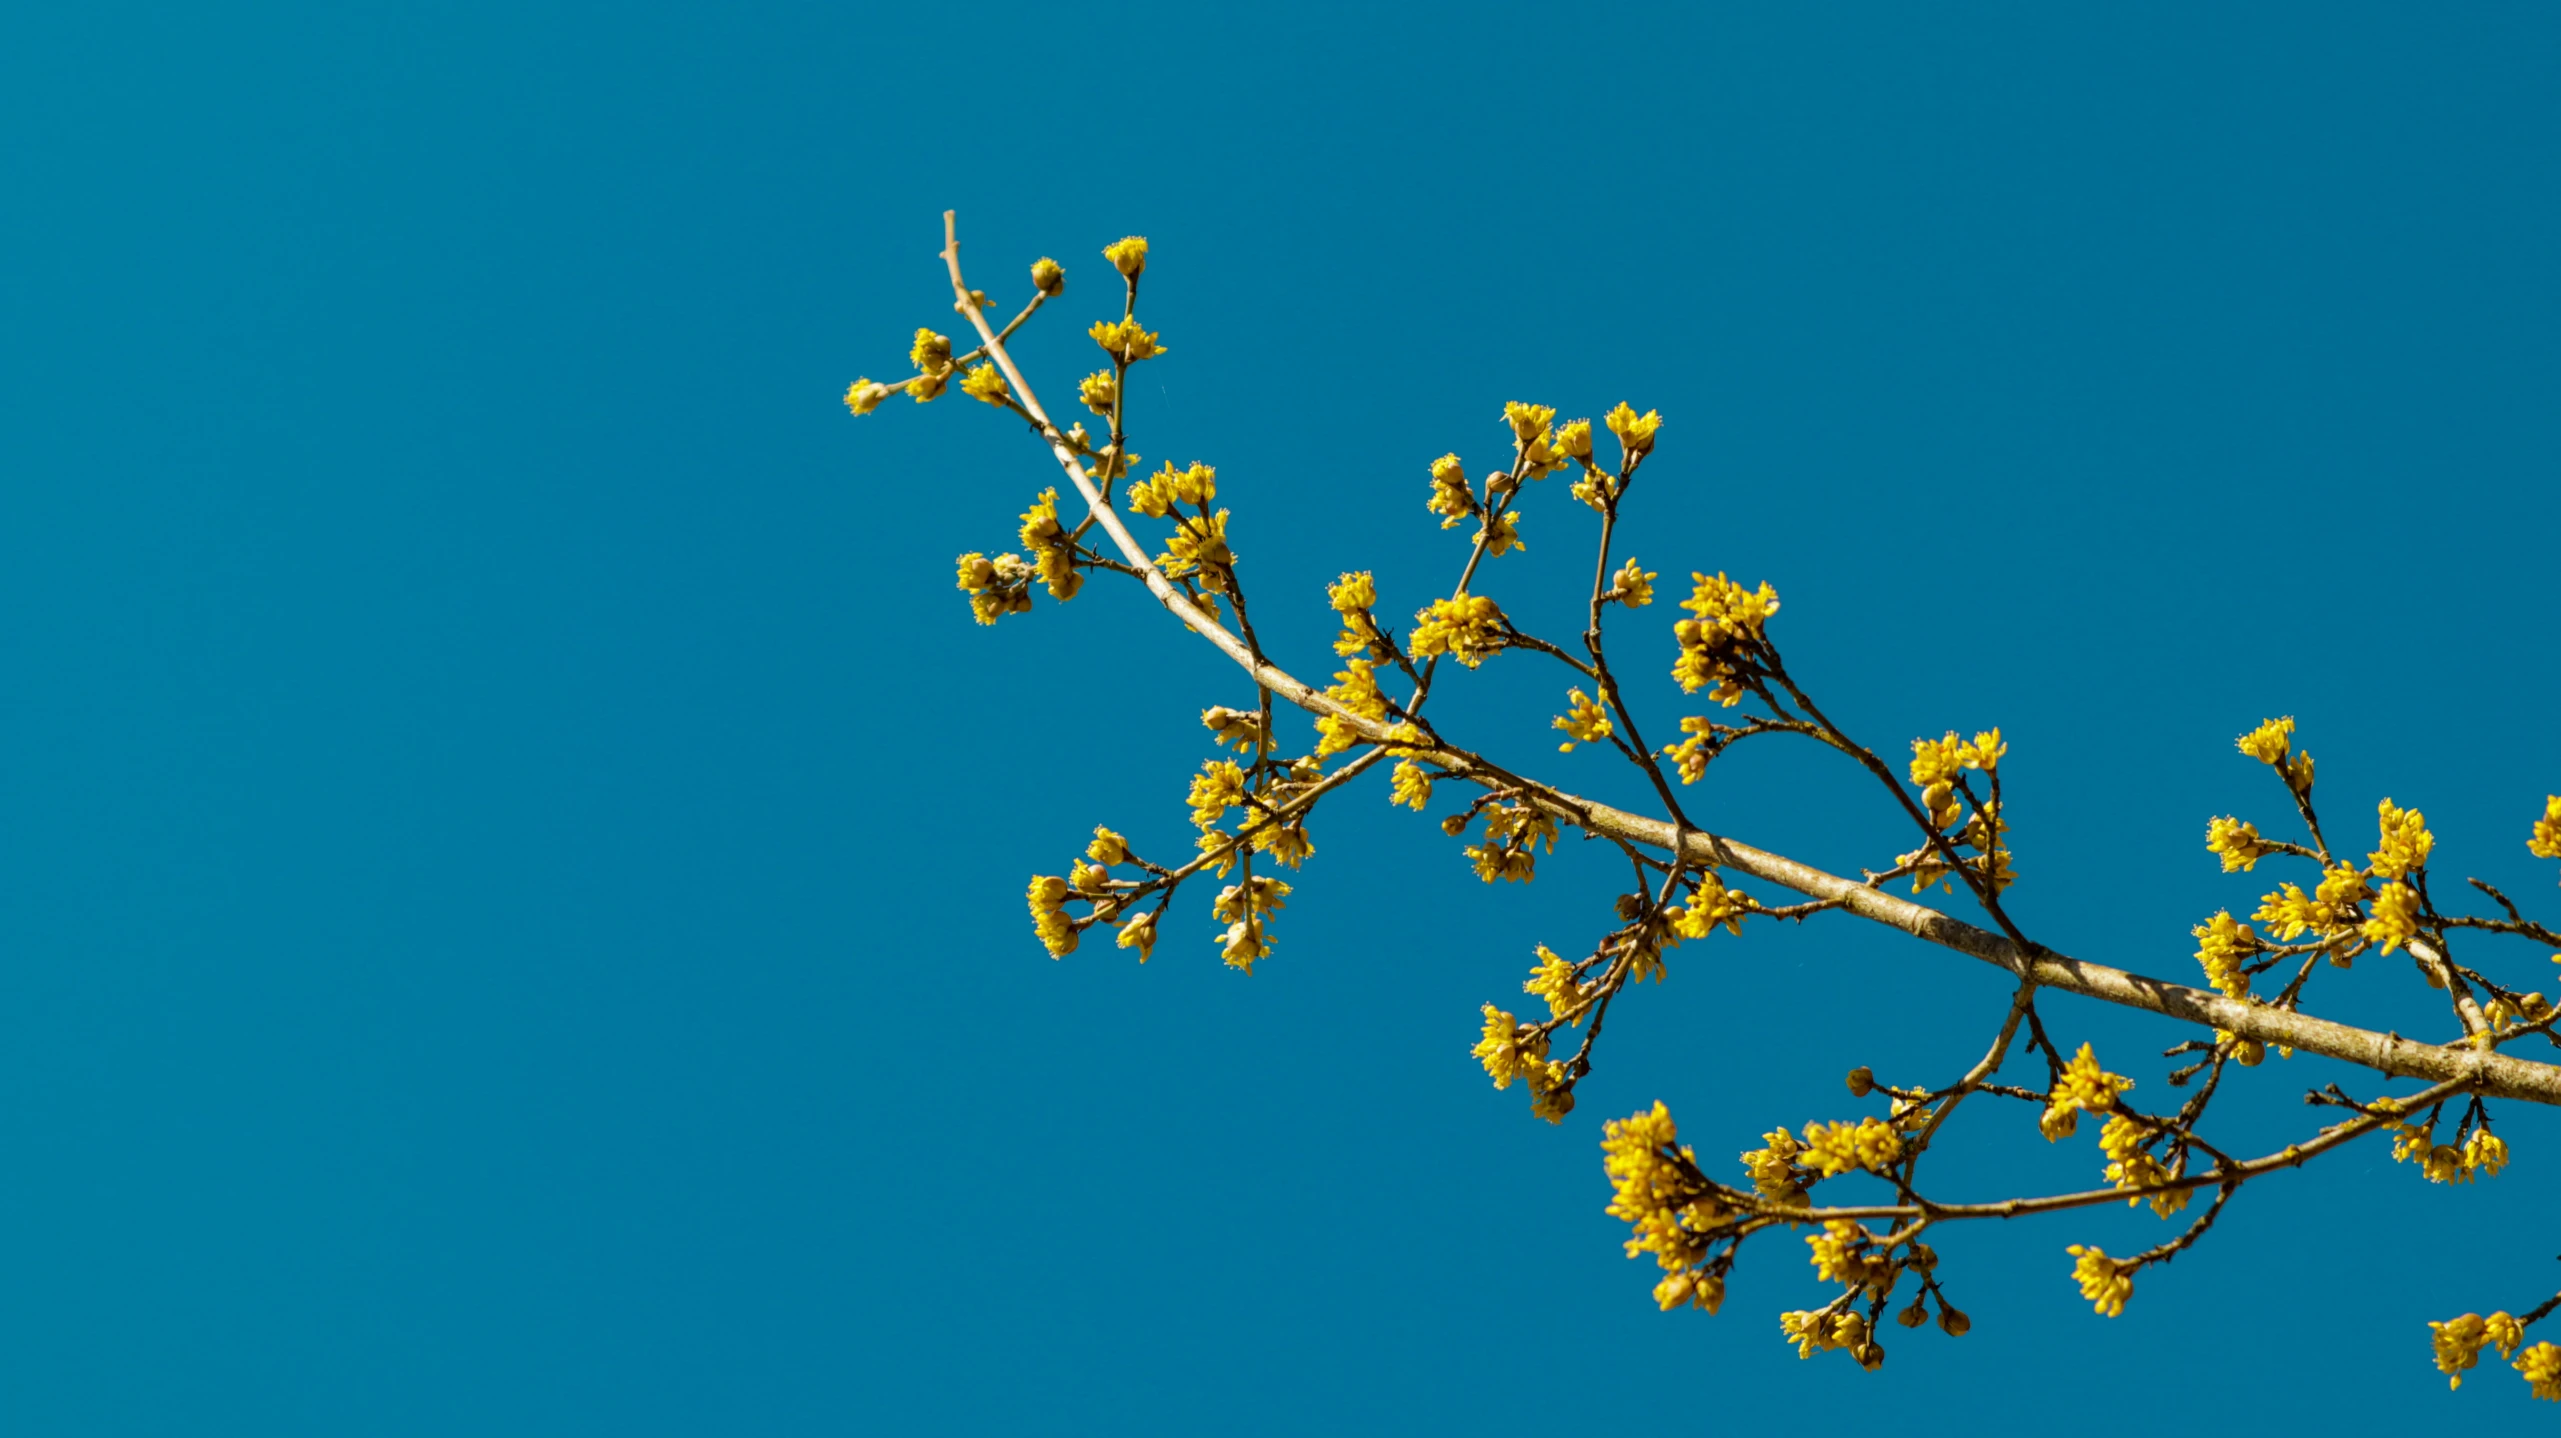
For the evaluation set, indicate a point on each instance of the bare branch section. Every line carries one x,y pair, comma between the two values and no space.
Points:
1253,809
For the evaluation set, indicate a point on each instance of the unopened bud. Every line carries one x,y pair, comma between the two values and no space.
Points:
1871,1355
1914,1316
1047,277
1952,1320
1862,1081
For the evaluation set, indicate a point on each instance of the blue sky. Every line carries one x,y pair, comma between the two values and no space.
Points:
515,849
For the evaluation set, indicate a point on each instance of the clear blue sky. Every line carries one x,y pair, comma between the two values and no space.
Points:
514,849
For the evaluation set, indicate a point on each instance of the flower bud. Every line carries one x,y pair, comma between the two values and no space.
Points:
1914,1316
1047,277
1862,1081
1871,1355
1952,1320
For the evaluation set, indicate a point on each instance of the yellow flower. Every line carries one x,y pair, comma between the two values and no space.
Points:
1554,981
1049,918
1574,439
1218,787
2458,1343
1140,934
1352,593
1529,422
1261,895
1773,1169
2541,1366
1507,1049
1834,1149
2406,841
1125,341
1242,728
1502,536
2289,912
2546,841
985,383
1198,545
1729,619
2131,1166
2238,843
2268,742
2484,1153
1108,847
1451,495
1128,256
2223,943
1690,755
1635,432
1047,277
926,388
1836,1257
2103,1281
1355,687
1585,720
1468,629
2396,917
1100,391
1710,903
864,396
1412,786
2084,1086
931,353
1633,586
1242,942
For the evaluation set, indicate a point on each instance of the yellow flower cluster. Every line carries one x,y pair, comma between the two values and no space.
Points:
1048,277
986,383
2545,843
1218,787
2289,913
1411,786
1633,585
1356,689
1870,1145
1502,536
1352,596
931,355
2084,1086
1156,495
864,396
2541,1367
2395,920
1839,1252
1128,256
1936,763
1532,439
1635,431
1468,629
1100,391
2272,744
1773,1168
2405,843
1554,981
2130,1165
2239,844
1050,548
1710,903
1690,756
1585,721
1451,495
1511,1050
1656,1191
2458,1342
2483,1154
1820,1332
1140,934
1512,834
1125,341
1242,728
1049,915
2103,1280
1729,621
1258,895
2223,945
996,587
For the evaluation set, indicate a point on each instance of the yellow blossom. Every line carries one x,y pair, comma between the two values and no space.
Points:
2084,1087
1242,728
1352,593
1690,755
2223,944
1200,545
1635,432
1837,1257
1574,439
985,383
1125,340
2103,1281
1108,847
1773,1168
2130,1165
863,396
1529,422
1584,720
1356,689
1468,629
1450,493
1729,620
1258,895
1633,586
2484,1153
2540,1365
1411,787
2458,1343
2239,844
926,388
1049,918
1507,1049
1047,277
1709,904
1834,1149
1218,787
1502,536
1128,256
2268,743
931,353
1242,942
2396,917
1140,934
1100,391
2405,843
1554,981
2546,840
